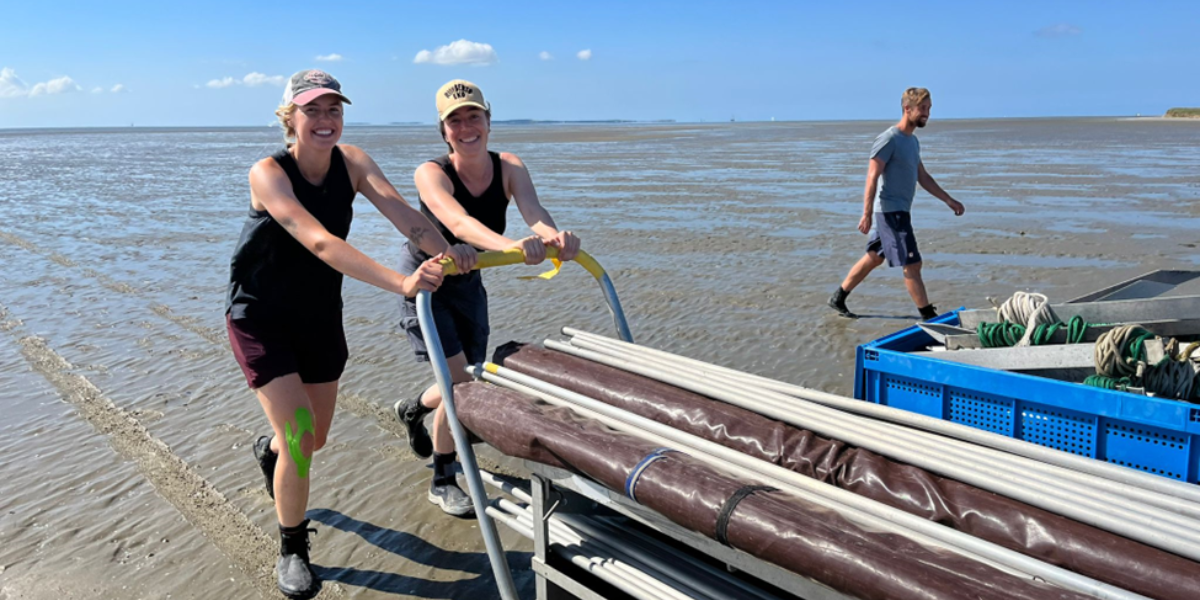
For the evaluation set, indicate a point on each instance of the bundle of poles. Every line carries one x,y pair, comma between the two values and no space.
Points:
1124,534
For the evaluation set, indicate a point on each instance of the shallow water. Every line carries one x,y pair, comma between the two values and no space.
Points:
724,240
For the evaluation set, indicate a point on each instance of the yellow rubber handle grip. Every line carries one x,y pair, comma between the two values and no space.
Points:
514,256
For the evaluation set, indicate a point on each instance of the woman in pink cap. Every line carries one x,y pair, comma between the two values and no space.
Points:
466,193
284,304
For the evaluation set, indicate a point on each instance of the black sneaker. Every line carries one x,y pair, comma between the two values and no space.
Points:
451,499
928,312
294,574
412,414
839,305
266,461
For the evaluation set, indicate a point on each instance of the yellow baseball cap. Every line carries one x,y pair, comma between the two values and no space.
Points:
457,94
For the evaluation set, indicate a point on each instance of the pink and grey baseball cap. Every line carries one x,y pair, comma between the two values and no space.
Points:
310,84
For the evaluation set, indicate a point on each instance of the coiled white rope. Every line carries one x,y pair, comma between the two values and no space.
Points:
1029,309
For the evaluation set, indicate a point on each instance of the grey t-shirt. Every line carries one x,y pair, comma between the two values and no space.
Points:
900,153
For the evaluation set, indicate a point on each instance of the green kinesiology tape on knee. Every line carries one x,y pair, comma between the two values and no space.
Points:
304,424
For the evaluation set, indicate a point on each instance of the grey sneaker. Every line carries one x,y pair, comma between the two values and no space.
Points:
412,414
451,499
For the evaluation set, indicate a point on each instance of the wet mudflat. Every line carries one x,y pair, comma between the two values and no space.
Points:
126,469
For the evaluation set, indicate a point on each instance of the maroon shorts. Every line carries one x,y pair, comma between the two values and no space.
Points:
316,350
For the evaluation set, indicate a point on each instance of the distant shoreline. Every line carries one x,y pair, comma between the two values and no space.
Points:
1182,113
595,122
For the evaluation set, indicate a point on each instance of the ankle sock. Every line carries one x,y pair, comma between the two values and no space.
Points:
443,468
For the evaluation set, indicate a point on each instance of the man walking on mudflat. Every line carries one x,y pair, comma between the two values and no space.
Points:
892,177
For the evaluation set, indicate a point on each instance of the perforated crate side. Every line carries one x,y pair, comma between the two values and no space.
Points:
980,410
911,394
1058,428
1149,449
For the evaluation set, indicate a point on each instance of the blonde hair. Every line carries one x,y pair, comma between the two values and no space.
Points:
285,112
914,96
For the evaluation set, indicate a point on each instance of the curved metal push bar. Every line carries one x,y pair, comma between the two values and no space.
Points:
488,260
441,371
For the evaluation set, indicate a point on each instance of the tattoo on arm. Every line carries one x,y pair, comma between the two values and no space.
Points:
416,234
289,225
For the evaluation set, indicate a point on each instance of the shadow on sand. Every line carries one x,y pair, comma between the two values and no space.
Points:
420,551
913,318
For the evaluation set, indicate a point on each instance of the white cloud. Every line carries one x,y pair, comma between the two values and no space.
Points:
257,79
97,90
117,89
11,86
62,85
545,56
330,57
584,55
462,52
1059,30
254,79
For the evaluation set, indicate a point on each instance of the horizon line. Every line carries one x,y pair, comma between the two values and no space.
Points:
595,122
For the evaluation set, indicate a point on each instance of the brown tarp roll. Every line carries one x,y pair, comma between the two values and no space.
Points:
784,530
1015,525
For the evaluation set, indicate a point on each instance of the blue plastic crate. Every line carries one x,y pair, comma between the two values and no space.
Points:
1150,434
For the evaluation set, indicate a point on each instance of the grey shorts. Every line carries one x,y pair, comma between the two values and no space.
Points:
459,312
894,239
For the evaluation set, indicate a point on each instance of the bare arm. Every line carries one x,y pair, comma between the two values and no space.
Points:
370,181
271,189
438,193
928,184
520,187
874,170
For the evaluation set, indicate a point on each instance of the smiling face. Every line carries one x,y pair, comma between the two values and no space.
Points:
466,130
319,123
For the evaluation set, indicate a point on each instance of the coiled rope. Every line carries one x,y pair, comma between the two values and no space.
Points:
1027,319
1028,309
1121,365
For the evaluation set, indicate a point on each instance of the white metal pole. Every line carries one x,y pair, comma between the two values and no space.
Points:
1182,540
982,467
955,430
865,512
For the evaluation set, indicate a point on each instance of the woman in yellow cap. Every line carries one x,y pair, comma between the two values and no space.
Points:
284,302
465,194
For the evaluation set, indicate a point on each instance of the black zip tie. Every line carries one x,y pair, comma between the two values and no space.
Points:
731,504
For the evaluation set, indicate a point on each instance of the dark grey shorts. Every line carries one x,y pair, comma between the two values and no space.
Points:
893,238
459,311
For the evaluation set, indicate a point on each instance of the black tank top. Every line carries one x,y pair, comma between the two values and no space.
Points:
272,275
488,208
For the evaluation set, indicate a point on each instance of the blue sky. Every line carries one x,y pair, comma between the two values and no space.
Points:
67,64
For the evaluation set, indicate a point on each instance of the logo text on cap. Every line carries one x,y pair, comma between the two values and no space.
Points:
459,91
318,77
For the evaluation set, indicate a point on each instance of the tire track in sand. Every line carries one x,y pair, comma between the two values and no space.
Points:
195,498
191,324
111,284
355,404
